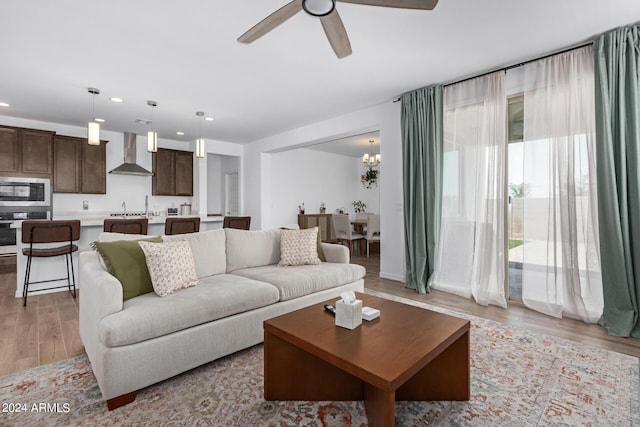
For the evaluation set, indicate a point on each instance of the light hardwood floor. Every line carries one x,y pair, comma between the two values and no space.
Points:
47,329
44,331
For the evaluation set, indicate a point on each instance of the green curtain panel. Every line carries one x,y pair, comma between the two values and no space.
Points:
617,86
421,122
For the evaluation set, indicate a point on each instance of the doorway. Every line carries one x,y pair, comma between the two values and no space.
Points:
223,185
231,194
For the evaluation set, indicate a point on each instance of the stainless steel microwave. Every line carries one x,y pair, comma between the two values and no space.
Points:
25,192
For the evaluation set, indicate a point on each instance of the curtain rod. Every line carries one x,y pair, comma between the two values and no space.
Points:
519,64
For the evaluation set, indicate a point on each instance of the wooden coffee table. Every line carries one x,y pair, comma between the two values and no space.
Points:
408,353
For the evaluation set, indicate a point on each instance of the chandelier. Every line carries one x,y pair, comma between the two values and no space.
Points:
369,159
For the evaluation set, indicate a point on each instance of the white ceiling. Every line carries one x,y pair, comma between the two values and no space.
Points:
184,55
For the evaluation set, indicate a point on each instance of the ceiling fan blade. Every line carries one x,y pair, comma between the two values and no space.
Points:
336,33
271,21
400,4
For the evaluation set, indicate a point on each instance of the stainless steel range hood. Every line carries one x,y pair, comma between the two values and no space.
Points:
130,167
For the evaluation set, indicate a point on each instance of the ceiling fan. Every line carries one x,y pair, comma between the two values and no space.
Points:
329,17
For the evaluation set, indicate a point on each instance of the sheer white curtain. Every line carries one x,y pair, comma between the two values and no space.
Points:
470,255
561,260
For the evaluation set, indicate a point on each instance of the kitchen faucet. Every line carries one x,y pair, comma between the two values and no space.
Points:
124,209
146,205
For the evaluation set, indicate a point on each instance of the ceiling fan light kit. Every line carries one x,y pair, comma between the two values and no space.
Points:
329,17
318,7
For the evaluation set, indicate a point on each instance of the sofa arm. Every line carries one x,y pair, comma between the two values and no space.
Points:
335,253
100,296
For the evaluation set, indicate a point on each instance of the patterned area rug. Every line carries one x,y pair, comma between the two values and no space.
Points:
518,378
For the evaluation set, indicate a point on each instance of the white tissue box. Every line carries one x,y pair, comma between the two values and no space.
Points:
369,313
349,315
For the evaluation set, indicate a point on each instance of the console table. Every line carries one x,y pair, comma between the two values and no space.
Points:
324,221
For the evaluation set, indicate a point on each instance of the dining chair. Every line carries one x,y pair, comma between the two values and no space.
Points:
237,222
343,231
373,230
126,225
181,225
50,232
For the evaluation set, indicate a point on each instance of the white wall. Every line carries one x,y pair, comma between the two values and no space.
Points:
127,188
310,177
259,190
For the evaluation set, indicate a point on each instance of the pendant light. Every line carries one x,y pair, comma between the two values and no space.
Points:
200,141
93,127
152,137
369,159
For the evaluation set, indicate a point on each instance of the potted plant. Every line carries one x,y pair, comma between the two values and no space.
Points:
370,178
359,206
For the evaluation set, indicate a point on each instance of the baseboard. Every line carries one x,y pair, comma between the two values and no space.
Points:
395,277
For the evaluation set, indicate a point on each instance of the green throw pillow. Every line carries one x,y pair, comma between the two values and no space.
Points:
319,245
125,260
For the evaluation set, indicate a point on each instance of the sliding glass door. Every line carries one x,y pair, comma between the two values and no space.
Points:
517,190
552,221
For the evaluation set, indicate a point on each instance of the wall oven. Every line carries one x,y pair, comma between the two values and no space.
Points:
21,199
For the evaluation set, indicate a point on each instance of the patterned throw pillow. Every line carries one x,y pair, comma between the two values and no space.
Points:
171,266
299,247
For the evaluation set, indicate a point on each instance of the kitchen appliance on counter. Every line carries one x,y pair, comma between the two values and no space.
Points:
125,214
185,209
172,211
21,199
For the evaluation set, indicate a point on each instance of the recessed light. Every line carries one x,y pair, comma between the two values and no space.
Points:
118,100
4,104
99,120
180,133
209,119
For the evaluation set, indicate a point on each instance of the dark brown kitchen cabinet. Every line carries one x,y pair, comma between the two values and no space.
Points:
172,173
184,173
94,168
78,166
66,168
26,152
10,149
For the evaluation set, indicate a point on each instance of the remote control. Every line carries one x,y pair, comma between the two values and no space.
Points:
330,308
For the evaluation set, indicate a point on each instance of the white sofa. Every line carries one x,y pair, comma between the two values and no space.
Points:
147,339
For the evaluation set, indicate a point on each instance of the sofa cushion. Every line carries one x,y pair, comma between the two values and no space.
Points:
125,261
170,265
294,282
208,249
251,248
150,316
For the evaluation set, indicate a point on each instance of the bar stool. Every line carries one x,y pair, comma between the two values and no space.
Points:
181,225
50,232
238,222
127,225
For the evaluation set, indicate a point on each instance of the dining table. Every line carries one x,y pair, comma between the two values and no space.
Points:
359,226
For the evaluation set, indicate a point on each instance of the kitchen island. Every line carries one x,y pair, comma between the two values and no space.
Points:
91,227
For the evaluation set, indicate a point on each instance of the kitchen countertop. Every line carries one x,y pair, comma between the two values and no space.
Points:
97,219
